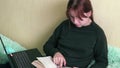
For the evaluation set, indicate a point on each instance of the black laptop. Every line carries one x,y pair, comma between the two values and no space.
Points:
22,59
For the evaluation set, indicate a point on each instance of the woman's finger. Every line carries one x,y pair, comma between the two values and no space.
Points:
56,60
64,62
61,62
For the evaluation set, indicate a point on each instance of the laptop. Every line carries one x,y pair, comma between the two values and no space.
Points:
22,59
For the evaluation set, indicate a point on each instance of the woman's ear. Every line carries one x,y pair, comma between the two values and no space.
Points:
88,14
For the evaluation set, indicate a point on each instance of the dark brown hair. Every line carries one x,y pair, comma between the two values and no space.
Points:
80,7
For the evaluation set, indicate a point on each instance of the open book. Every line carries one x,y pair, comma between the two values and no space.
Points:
44,62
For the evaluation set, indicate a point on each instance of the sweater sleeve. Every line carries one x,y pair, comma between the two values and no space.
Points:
100,51
50,47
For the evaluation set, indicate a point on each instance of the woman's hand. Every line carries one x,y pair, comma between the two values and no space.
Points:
59,59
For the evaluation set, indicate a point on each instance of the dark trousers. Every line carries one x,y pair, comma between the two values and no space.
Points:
5,65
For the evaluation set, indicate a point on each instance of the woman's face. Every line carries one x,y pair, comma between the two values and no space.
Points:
84,21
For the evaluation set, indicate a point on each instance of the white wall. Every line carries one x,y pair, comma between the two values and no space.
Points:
31,22
107,15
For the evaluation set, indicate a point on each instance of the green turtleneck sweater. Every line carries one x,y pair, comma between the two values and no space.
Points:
79,45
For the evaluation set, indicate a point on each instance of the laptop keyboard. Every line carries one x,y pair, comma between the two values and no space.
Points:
22,60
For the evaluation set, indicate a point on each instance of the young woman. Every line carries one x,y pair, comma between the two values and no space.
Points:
78,40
